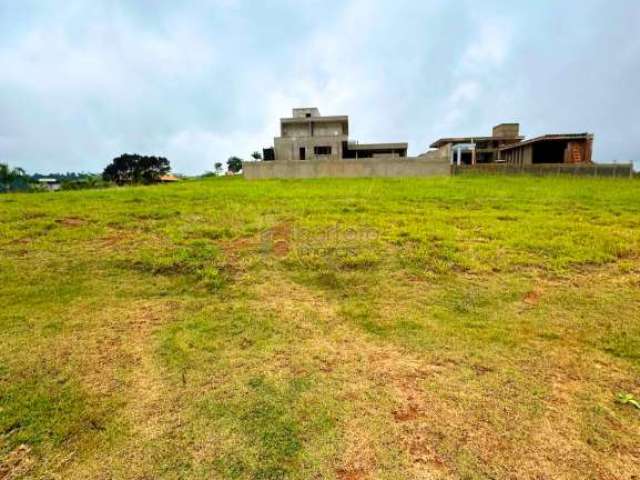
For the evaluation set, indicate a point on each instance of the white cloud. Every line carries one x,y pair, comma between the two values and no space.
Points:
490,48
459,102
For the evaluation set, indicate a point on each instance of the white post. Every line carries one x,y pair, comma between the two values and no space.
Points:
459,155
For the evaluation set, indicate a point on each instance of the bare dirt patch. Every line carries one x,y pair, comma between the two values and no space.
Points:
117,239
240,246
71,222
410,412
343,474
281,239
532,297
16,463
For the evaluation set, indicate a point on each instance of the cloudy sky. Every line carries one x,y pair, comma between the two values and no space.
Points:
83,81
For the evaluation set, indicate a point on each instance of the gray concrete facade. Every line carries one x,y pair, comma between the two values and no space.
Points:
370,167
307,135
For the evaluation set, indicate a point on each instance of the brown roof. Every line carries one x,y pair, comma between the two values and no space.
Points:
551,136
169,178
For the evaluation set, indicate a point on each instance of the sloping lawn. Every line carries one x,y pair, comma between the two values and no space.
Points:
465,327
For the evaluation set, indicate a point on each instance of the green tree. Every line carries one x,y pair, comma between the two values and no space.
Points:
218,167
256,156
9,175
134,168
234,164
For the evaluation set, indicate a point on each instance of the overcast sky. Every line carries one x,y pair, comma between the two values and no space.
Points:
84,81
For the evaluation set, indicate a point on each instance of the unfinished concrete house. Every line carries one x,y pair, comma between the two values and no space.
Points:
307,135
506,145
311,145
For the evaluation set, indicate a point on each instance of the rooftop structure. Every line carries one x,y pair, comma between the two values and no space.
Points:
504,132
477,149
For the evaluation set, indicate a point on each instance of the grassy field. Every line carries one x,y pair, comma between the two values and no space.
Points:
466,327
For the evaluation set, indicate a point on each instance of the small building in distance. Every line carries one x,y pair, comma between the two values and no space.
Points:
307,135
168,178
50,184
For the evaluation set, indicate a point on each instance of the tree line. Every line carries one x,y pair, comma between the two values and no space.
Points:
127,169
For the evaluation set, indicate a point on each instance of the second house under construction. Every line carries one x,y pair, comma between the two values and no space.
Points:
307,135
506,145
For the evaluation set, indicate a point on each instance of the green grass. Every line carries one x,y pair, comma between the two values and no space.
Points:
464,327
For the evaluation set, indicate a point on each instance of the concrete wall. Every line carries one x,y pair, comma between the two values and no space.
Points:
312,129
327,129
519,156
289,149
434,156
371,167
296,130
506,130
303,112
580,169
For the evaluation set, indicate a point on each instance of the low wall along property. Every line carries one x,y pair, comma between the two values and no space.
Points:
586,169
418,167
370,167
